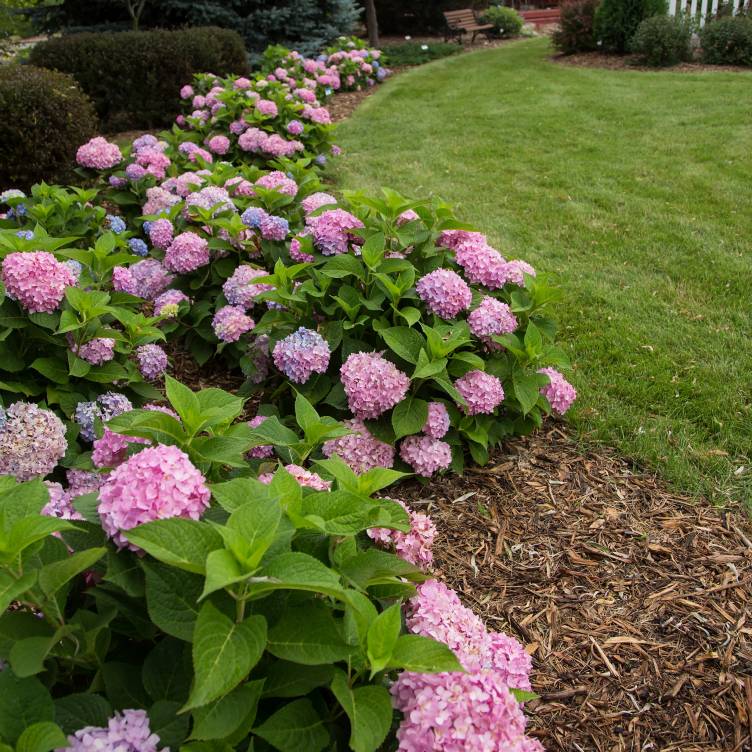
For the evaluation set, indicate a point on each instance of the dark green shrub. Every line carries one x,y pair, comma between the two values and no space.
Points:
413,53
507,21
727,41
663,40
575,32
616,21
135,77
45,118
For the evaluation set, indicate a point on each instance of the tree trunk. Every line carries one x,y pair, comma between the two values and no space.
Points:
372,23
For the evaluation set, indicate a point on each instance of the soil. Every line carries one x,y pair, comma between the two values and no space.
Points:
631,62
633,601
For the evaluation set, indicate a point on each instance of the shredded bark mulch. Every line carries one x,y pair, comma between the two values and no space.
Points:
633,601
632,62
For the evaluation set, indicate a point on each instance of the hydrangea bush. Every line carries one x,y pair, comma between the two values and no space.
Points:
188,596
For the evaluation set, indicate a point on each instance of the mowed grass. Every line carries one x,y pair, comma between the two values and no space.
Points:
633,191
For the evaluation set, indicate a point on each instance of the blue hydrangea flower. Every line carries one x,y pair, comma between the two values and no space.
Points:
146,227
138,247
17,211
253,216
85,415
321,160
112,404
116,224
11,193
25,234
74,266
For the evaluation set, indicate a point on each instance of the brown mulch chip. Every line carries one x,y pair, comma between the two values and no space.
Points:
631,62
633,601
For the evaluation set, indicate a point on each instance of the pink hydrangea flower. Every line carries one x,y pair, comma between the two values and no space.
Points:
157,483
168,302
491,318
372,384
186,92
482,264
297,254
32,441
304,477
426,455
317,200
301,354
482,392
128,731
295,127
152,361
161,233
267,108
36,279
230,323
407,216
415,546
219,144
112,448
145,279
514,272
264,451
158,200
444,292
98,154
60,503
240,289
453,238
559,392
437,423
360,450
186,253
96,351
278,181
330,231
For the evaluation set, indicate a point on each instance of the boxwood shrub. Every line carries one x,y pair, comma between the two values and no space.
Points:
134,77
663,40
727,41
45,118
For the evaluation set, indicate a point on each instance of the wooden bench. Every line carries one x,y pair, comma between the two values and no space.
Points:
459,22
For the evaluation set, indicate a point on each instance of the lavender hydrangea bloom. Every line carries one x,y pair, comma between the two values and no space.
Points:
437,422
32,441
128,731
240,290
230,323
426,455
559,392
481,391
116,224
264,451
302,354
152,361
372,384
491,318
444,292
138,247
360,450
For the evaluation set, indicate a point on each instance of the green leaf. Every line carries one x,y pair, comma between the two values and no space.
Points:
409,416
308,635
533,340
294,728
171,597
342,266
123,685
404,341
526,389
76,711
372,251
184,402
53,576
374,567
20,500
27,656
149,424
382,637
369,710
257,523
235,493
168,724
180,542
223,569
223,653
222,718
296,571
11,588
41,737
424,655
224,450
167,671
305,414
523,695
285,679
377,478
23,702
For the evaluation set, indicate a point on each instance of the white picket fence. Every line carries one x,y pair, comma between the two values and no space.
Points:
701,9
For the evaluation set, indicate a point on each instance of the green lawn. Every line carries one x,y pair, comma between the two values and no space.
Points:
634,191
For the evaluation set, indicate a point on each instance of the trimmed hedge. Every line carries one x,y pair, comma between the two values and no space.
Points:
134,77
727,41
45,118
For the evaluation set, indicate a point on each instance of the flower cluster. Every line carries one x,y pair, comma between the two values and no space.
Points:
230,323
36,279
98,154
490,318
426,455
301,354
145,279
167,303
111,449
304,477
481,391
128,731
96,351
360,449
444,292
264,451
105,407
186,253
32,441
330,231
154,484
372,384
415,546
559,392
437,422
241,290
152,361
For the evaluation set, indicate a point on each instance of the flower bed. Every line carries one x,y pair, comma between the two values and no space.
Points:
232,578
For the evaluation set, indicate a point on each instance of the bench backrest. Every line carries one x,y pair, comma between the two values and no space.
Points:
460,18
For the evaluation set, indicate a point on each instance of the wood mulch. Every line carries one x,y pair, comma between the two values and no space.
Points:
631,62
633,601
